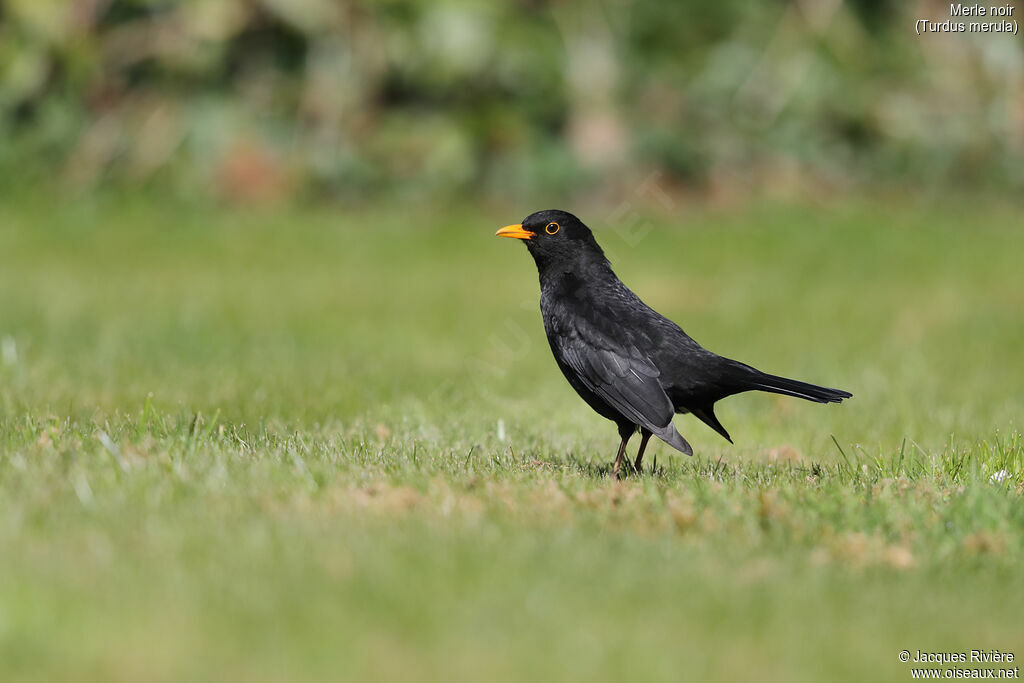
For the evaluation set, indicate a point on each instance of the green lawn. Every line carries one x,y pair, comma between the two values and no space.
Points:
331,444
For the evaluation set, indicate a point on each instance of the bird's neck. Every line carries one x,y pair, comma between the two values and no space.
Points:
571,274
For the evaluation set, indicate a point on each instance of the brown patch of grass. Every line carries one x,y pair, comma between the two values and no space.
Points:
859,551
386,498
898,557
785,454
683,514
985,543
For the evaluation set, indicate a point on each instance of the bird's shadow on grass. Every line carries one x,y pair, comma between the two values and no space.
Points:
603,470
713,468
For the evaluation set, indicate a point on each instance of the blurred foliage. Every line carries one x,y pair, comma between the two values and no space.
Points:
264,98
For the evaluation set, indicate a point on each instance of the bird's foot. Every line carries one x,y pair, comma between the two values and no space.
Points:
628,470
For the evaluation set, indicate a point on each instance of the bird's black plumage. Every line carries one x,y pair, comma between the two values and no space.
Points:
628,362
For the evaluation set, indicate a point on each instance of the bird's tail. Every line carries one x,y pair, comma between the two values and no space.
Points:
804,390
751,379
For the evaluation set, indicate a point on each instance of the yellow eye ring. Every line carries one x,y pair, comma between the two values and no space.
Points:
551,228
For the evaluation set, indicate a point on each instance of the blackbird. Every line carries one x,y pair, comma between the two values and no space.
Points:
628,362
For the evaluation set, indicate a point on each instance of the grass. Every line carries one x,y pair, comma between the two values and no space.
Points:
319,444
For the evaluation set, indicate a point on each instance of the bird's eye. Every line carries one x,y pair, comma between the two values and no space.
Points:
551,228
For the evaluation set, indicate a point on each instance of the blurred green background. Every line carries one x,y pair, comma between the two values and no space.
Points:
257,99
275,405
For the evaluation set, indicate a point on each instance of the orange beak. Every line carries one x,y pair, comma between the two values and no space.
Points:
516,231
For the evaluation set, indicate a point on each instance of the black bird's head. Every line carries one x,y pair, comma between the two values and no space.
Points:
556,239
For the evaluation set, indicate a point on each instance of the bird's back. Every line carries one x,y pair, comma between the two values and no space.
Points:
602,307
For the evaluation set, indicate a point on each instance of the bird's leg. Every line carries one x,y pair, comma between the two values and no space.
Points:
617,467
644,436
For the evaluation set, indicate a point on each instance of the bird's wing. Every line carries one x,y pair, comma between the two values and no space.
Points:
622,375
